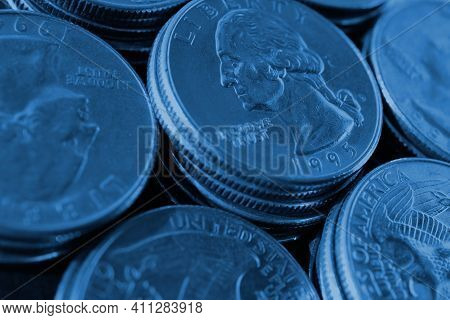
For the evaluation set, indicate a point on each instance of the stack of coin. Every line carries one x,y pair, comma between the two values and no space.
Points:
70,107
129,26
348,14
270,112
186,252
389,239
413,70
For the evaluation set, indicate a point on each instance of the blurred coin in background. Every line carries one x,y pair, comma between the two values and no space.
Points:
187,252
70,112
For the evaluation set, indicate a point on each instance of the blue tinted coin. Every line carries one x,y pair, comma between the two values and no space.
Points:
103,30
66,282
393,238
11,257
347,4
129,13
123,9
411,58
259,111
73,117
327,276
69,280
185,252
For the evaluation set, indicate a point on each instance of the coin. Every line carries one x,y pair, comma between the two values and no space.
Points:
393,235
232,109
359,5
411,63
325,261
128,26
264,139
122,12
189,252
348,13
70,110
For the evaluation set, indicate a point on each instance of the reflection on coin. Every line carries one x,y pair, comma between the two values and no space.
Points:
326,271
129,26
71,110
188,252
353,16
393,237
413,69
347,4
251,117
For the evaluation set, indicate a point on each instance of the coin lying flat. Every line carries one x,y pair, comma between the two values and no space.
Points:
188,252
297,120
413,68
70,110
393,238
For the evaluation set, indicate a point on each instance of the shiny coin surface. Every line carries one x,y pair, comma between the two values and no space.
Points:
266,127
124,11
412,64
71,110
393,238
188,252
270,121
347,4
326,271
129,26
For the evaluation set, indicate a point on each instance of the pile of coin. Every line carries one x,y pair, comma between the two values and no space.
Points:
389,239
248,133
129,26
186,252
415,85
265,113
350,15
67,134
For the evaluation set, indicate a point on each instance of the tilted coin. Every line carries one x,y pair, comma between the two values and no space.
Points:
348,13
347,4
71,110
393,238
104,30
189,252
326,152
412,64
121,12
259,122
325,261
128,26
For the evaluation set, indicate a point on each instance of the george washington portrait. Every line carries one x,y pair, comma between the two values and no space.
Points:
272,69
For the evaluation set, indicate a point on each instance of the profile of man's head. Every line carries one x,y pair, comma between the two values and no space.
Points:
45,132
257,50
